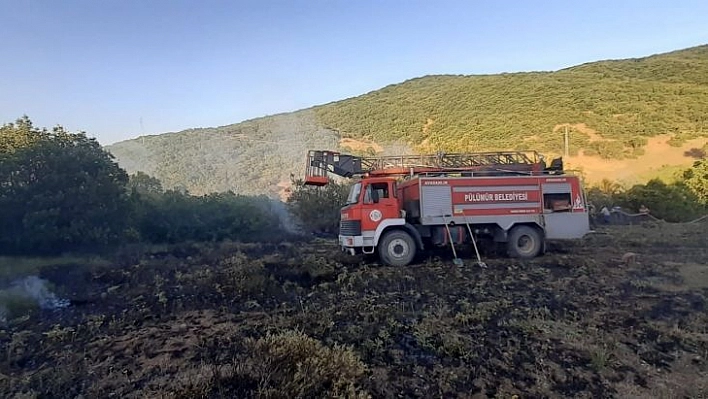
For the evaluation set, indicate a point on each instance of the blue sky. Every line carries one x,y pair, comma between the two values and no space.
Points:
121,68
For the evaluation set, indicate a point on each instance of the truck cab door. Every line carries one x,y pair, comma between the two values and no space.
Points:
379,203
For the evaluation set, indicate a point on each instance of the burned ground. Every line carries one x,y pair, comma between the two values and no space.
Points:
303,320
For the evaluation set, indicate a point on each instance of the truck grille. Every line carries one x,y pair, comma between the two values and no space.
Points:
350,227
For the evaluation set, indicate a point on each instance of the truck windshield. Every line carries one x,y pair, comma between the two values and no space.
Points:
354,192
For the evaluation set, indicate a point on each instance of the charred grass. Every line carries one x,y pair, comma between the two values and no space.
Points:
302,320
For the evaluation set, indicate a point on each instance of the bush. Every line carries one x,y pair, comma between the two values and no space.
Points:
59,191
293,365
317,209
608,149
174,217
696,179
673,202
247,276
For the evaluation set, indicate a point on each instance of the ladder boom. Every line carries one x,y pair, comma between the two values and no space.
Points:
319,163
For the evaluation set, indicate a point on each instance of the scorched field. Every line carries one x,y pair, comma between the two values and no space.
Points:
301,320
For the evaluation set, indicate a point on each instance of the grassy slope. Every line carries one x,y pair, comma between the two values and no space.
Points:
617,99
610,107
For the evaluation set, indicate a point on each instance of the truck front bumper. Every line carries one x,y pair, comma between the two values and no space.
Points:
350,244
355,244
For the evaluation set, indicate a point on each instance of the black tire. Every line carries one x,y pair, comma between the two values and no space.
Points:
525,242
397,248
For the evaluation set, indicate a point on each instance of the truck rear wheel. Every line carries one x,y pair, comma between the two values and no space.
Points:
397,248
525,242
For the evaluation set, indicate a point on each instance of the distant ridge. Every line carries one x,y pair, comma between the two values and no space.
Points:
610,109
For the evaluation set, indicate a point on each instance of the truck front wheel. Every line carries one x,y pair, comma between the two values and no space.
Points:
525,242
397,248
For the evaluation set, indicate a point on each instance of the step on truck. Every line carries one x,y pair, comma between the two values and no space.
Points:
401,206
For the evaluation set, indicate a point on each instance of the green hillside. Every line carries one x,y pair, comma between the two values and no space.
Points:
619,104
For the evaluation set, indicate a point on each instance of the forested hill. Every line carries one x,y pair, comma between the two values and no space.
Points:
252,157
610,108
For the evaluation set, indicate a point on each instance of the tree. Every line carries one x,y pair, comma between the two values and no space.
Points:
317,209
696,178
673,202
143,184
609,187
59,191
605,193
19,135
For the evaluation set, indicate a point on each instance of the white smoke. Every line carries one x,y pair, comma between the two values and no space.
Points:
37,289
287,221
32,289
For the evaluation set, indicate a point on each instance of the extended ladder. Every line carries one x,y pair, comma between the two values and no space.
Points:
320,163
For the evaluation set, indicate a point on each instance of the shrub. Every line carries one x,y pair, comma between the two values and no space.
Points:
317,209
293,365
174,217
247,276
59,191
608,149
696,179
673,202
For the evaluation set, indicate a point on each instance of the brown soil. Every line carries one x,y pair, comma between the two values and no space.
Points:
285,190
427,125
658,154
360,145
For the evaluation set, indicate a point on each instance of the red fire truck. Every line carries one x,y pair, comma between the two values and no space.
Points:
402,205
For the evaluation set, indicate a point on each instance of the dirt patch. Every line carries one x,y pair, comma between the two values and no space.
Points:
658,154
285,190
360,145
427,125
